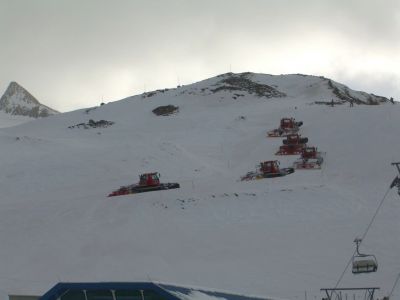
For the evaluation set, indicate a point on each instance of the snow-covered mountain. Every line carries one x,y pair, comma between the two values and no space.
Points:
322,89
276,237
18,101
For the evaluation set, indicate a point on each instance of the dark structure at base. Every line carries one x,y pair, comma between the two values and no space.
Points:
133,291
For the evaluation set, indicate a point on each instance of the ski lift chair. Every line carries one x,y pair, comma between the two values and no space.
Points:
363,263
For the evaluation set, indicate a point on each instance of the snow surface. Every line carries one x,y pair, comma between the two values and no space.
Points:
7,120
277,237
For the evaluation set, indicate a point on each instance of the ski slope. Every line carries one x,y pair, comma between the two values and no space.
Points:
7,120
276,237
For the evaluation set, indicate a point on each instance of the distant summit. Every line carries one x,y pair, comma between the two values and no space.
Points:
244,86
18,101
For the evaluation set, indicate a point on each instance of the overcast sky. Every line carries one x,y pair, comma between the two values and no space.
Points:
74,53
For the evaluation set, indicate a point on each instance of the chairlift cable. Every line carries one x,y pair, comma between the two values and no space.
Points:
395,283
363,236
345,269
376,212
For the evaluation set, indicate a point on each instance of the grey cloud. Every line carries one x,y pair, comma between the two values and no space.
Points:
68,52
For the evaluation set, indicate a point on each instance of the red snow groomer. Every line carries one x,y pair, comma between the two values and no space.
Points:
310,158
287,126
292,145
148,182
267,169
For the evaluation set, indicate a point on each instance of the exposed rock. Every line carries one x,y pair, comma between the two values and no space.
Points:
346,95
93,124
165,110
241,82
153,93
239,85
18,101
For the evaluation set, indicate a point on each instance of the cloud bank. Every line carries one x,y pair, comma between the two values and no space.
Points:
73,54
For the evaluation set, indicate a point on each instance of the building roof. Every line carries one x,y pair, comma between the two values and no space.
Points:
166,291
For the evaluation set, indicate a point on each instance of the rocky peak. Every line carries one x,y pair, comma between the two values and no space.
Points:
236,84
18,101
